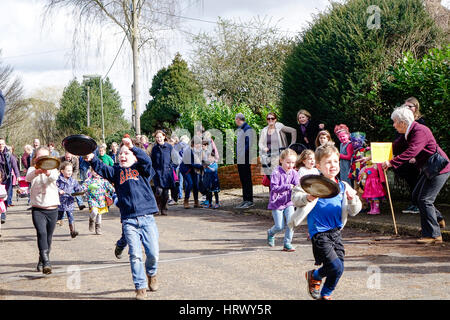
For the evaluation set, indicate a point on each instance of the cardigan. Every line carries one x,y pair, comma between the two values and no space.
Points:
281,131
421,145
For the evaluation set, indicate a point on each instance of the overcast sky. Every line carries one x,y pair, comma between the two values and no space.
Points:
41,55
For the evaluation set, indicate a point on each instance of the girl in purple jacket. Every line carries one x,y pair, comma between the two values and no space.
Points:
283,179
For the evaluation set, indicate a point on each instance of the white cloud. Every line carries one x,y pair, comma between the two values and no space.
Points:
41,56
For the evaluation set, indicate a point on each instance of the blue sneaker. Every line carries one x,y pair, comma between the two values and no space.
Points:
206,204
270,240
288,247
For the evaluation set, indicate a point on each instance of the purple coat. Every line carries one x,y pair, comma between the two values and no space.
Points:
421,145
68,186
280,189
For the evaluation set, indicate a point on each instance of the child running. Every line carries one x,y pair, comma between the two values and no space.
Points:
306,163
283,179
44,200
326,217
97,189
66,186
137,205
211,181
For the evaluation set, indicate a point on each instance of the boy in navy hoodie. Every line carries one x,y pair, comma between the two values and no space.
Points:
137,204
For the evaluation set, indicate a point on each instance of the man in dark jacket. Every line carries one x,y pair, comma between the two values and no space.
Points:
245,140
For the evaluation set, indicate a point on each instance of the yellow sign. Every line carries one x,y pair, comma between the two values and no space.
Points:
381,151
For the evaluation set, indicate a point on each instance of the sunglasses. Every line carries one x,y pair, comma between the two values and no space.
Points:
271,119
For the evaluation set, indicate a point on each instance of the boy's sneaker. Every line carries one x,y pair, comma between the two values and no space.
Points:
216,206
288,248
270,240
118,252
206,204
152,283
59,223
141,294
313,285
325,298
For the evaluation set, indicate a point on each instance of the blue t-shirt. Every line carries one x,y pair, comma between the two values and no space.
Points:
327,213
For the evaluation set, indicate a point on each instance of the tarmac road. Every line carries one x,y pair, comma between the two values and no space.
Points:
215,255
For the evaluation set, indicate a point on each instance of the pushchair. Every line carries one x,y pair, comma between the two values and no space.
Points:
23,190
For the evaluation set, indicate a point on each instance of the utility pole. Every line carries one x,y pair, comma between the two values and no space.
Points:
101,104
135,48
88,108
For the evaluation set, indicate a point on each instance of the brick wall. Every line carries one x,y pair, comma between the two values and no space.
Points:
229,176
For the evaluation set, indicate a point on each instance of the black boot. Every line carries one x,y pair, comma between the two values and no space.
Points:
47,267
73,232
40,265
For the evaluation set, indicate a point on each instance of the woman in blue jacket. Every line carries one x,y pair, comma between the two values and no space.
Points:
163,163
190,168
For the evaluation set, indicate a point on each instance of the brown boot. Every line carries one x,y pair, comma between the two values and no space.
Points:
186,203
91,225
442,224
141,294
430,240
152,283
98,229
73,233
197,204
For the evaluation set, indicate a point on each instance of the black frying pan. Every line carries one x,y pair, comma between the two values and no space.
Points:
79,144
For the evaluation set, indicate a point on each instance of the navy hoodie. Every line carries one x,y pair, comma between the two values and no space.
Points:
134,193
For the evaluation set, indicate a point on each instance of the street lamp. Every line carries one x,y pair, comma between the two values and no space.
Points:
94,76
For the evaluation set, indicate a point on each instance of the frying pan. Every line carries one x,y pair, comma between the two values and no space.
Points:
319,186
79,144
47,163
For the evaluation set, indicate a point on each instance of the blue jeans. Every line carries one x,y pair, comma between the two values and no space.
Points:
280,218
192,181
61,215
181,181
143,230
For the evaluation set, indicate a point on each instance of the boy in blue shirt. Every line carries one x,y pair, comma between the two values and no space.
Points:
326,218
137,204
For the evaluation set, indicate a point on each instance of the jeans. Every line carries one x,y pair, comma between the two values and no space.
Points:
143,230
61,215
281,218
191,178
44,221
423,197
180,187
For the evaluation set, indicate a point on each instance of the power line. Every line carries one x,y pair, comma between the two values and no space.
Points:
117,54
212,22
35,53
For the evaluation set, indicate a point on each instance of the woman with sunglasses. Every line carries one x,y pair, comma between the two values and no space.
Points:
272,141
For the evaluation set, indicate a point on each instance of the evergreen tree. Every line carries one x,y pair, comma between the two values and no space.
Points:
174,90
336,66
72,116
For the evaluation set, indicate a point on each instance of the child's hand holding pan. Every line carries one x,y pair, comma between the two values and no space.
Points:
319,187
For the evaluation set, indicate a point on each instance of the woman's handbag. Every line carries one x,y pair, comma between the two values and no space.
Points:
434,165
109,201
266,181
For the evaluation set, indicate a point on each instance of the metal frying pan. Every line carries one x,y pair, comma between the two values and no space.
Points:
79,144
319,186
47,163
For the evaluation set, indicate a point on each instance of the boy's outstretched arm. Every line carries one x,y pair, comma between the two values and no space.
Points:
102,169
